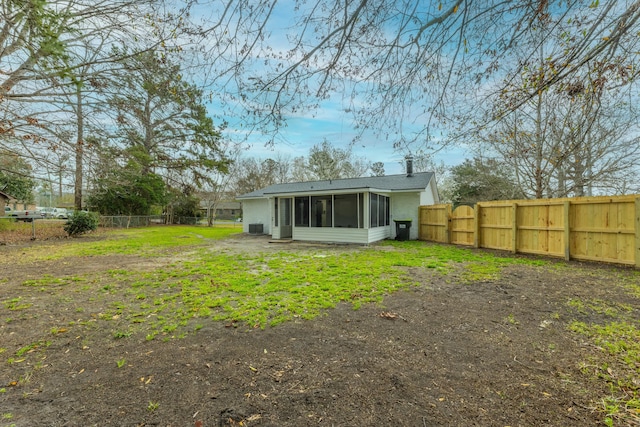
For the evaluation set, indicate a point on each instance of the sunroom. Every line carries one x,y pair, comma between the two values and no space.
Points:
361,217
356,210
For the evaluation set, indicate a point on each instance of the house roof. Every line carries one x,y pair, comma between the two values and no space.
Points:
417,181
5,195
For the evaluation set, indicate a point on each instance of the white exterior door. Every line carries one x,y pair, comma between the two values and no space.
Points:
285,214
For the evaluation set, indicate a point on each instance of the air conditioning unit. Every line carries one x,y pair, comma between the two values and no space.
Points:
256,229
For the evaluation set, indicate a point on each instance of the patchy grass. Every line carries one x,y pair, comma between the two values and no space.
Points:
476,266
15,304
258,290
615,330
140,241
261,290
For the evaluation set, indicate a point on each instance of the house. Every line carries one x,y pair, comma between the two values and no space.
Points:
4,201
354,210
225,209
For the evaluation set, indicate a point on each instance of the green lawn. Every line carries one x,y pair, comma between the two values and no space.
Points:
256,289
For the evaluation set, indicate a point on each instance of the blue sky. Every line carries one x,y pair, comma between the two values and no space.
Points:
331,123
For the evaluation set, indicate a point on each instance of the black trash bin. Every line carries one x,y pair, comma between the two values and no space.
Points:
403,226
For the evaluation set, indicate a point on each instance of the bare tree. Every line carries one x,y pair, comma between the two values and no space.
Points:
250,173
328,162
377,169
53,54
596,128
402,66
219,187
569,139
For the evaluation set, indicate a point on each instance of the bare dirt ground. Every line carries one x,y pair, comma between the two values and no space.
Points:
492,353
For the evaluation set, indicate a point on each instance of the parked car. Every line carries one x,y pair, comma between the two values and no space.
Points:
56,213
47,212
26,215
60,213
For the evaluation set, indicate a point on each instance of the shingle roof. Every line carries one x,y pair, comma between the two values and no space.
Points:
418,181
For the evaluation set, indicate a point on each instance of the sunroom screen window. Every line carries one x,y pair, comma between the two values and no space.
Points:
373,209
346,210
321,211
340,210
382,208
379,210
301,211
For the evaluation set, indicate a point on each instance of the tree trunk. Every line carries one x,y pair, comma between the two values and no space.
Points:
79,150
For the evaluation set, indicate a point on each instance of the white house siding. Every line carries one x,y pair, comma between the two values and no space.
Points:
328,234
275,232
405,206
379,233
427,197
256,211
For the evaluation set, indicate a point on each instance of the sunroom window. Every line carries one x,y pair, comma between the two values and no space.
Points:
301,207
379,210
346,210
340,210
321,211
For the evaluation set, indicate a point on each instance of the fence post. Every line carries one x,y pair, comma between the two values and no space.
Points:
514,228
447,225
567,229
637,224
476,227
420,210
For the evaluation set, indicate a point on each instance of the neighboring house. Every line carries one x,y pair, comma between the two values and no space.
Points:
229,210
224,209
4,201
354,210
7,200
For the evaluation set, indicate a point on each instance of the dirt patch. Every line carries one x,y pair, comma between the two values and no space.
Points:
444,353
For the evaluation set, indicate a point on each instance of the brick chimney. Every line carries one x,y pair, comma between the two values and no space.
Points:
409,160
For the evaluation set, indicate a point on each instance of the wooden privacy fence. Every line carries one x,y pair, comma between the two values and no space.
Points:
605,229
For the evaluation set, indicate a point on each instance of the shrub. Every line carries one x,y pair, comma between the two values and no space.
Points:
81,222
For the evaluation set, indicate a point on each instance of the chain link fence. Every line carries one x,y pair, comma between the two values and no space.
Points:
129,221
132,221
13,231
